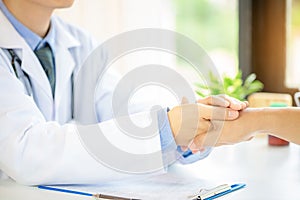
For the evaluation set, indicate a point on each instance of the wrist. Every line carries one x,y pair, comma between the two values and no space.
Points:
254,119
249,123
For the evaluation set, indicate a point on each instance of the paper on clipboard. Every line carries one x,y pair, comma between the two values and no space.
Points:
165,187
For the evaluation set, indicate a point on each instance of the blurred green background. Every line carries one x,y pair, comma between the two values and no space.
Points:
213,24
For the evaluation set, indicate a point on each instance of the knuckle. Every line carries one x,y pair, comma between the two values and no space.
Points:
208,98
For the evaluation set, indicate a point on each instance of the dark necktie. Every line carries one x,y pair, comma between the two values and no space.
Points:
46,59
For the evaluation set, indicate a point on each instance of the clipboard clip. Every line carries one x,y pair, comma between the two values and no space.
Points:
208,194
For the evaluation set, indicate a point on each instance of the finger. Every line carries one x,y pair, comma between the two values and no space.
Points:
184,148
198,149
214,101
217,113
195,151
234,103
247,104
222,144
250,138
194,148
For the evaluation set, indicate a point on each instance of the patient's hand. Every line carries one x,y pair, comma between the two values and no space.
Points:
191,123
231,132
242,129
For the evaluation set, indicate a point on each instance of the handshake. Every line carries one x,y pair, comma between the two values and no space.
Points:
207,123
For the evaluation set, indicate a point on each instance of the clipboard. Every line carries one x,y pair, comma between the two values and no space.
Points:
203,194
217,192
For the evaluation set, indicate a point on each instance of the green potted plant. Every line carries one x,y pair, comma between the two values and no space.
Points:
234,87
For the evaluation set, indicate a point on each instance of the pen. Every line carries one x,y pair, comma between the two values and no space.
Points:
233,188
103,196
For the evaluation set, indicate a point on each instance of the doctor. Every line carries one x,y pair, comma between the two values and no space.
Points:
39,55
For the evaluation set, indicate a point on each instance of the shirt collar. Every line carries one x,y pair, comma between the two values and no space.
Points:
33,40
50,39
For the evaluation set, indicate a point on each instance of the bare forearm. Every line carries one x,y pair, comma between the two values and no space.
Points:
281,122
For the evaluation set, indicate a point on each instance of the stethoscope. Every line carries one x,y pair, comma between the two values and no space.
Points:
20,74
24,78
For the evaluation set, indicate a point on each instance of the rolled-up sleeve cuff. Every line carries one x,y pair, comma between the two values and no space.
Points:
170,151
168,144
187,157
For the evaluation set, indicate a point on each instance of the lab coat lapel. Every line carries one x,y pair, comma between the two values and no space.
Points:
64,61
10,39
65,64
64,69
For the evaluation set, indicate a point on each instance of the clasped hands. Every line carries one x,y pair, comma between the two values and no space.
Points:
199,125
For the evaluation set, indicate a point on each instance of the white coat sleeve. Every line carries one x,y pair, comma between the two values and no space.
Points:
34,151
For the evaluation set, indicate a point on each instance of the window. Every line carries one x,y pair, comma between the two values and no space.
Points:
293,44
213,24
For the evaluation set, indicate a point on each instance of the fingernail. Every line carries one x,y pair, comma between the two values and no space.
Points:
238,105
233,114
184,148
193,147
195,151
227,104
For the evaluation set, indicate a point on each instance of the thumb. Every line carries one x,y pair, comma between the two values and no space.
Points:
184,100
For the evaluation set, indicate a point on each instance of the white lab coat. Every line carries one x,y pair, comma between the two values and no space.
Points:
38,145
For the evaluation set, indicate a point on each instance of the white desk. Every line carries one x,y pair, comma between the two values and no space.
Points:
270,173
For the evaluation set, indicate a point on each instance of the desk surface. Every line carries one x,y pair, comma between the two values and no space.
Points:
269,172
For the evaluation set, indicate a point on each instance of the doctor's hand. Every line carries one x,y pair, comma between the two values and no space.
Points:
225,101
190,123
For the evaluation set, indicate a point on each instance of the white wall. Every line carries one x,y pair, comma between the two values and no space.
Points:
105,18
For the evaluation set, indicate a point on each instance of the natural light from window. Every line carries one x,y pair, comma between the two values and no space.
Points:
293,44
213,24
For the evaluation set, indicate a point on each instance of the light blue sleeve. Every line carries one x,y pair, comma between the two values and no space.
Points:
188,157
172,152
